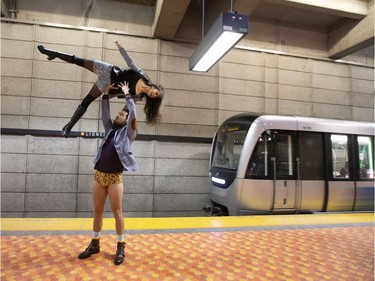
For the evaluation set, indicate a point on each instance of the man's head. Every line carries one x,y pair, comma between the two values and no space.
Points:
121,118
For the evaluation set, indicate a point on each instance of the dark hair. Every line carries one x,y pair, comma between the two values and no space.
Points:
125,108
152,106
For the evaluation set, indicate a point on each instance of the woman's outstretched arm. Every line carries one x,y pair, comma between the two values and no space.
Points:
130,62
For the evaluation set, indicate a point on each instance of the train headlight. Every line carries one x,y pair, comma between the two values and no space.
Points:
217,180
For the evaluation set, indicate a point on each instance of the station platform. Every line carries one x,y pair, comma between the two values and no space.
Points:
324,246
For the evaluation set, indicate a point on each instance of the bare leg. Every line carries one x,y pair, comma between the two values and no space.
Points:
89,65
115,196
99,195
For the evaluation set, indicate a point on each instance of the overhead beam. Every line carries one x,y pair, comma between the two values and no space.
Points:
215,7
246,7
139,2
354,9
4,12
346,39
168,16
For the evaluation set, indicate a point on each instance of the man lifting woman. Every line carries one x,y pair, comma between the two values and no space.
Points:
115,153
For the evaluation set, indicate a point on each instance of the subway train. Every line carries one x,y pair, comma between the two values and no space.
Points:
272,164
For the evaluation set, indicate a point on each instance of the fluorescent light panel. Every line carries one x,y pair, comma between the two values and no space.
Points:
218,49
227,30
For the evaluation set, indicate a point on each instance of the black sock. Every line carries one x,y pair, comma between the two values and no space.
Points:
78,61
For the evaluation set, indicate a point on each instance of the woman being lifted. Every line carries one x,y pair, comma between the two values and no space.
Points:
140,84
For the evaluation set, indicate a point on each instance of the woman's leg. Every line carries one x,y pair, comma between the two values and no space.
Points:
91,96
81,109
52,54
103,70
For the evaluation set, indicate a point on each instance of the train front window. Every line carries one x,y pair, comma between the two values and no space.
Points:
340,160
366,157
228,146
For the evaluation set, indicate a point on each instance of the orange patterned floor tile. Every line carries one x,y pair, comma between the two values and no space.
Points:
332,253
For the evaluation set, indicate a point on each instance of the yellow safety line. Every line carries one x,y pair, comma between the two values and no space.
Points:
72,224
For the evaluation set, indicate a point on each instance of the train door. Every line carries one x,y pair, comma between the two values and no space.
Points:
284,171
310,172
364,195
341,184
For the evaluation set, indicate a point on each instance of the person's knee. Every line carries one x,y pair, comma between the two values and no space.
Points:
117,214
98,211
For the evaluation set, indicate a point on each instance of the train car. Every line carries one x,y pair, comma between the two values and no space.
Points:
273,164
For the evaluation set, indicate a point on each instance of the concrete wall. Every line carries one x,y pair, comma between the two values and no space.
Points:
51,177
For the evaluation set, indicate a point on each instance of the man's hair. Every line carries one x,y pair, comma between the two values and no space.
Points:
125,108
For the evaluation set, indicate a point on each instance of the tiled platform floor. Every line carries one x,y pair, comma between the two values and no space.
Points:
335,253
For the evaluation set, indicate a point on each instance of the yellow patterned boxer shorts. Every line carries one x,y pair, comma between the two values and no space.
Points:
106,179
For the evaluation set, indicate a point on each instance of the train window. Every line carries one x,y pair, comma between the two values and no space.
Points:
366,157
278,144
228,146
258,165
340,160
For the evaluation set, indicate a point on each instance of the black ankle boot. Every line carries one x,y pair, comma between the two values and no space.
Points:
76,116
52,54
93,248
120,253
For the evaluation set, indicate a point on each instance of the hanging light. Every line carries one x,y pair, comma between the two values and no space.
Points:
226,32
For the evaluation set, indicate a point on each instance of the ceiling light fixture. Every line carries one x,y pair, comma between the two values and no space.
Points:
226,32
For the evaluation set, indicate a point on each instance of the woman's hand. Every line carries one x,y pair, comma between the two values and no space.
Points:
118,44
109,87
125,87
